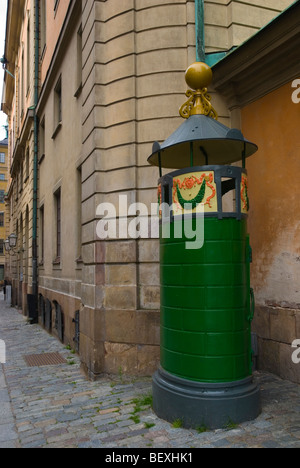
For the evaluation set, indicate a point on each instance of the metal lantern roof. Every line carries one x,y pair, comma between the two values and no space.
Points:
213,143
200,139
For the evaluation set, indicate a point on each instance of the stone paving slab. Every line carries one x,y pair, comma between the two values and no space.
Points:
8,433
57,407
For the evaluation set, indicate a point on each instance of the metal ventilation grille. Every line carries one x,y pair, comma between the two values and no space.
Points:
45,359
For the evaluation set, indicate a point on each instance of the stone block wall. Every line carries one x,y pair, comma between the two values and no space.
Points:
134,57
228,23
277,328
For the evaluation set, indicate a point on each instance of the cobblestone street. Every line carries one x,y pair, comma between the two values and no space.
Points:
55,406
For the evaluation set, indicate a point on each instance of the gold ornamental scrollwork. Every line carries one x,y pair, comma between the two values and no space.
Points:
198,104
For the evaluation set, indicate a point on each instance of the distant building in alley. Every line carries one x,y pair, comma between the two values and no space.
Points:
4,178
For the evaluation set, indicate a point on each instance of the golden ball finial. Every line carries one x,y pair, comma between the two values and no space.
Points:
198,76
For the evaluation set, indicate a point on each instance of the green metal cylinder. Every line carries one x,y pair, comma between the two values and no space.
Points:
205,295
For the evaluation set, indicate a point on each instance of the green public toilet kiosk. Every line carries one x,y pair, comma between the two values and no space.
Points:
207,304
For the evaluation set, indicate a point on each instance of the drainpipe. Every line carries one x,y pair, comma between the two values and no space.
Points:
35,160
200,34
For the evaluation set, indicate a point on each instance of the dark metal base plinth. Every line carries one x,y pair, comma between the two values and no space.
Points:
209,405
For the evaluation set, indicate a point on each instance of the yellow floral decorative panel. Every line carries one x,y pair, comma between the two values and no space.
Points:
196,189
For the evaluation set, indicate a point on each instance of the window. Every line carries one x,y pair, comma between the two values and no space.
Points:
28,57
42,139
42,234
79,63
1,246
229,204
57,107
1,219
58,224
58,110
10,146
2,158
17,187
18,99
22,82
79,217
27,165
12,203
21,177
43,26
2,176
2,196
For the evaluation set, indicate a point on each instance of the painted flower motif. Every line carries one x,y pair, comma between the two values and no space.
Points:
189,183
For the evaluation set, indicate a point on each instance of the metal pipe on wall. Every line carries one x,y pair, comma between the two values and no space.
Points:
200,34
35,159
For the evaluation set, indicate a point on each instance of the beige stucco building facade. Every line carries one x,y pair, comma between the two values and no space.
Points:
4,177
110,83
17,103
